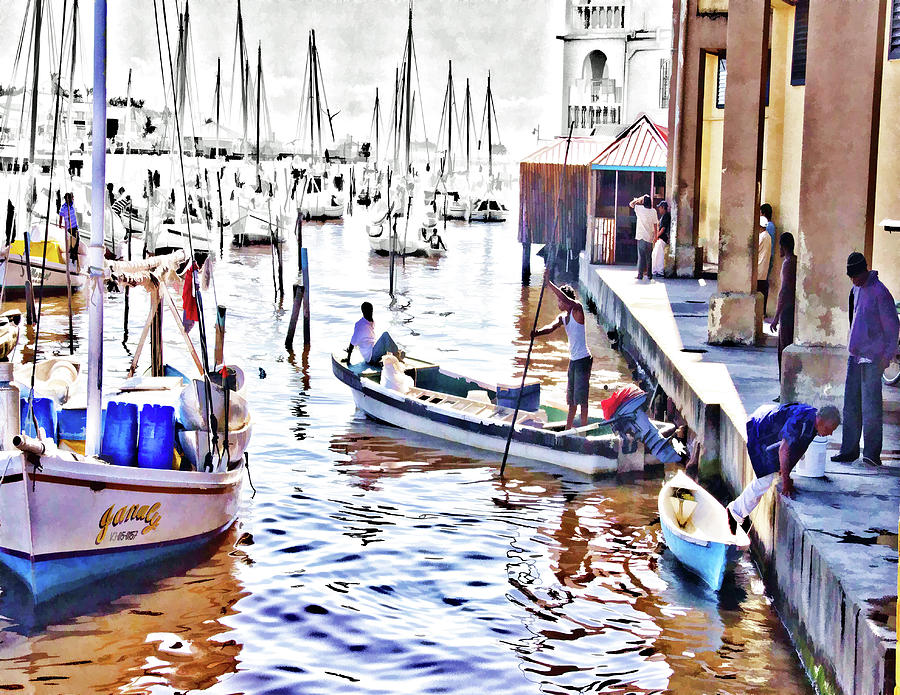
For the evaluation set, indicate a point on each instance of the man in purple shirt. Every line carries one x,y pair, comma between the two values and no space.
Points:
874,331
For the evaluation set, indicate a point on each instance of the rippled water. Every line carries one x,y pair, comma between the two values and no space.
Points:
375,561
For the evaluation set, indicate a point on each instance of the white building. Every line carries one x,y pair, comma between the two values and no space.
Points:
616,63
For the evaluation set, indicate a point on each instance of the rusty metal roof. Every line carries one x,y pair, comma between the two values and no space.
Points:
642,146
582,151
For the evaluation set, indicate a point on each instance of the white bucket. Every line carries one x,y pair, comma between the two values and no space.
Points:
812,465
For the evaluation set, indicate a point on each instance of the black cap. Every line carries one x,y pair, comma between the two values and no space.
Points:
856,264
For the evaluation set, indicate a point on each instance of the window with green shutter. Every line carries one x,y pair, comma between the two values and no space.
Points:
894,48
801,29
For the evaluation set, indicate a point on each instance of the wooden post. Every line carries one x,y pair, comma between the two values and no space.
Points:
526,262
304,263
219,354
221,214
156,344
392,235
295,314
278,252
30,315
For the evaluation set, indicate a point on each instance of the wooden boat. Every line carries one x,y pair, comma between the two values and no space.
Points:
467,411
695,527
67,518
48,278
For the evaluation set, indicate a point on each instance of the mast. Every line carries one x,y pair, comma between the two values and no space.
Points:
218,101
468,120
314,56
312,77
258,94
408,88
38,15
488,105
449,112
96,249
377,119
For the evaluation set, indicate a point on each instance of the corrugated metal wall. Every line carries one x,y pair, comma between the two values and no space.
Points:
539,189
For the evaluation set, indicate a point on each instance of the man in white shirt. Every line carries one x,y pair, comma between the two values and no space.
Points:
645,233
364,340
763,256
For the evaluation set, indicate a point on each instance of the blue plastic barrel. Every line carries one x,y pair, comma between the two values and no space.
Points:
119,445
156,441
45,414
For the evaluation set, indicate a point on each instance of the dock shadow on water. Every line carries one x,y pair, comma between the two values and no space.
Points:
377,561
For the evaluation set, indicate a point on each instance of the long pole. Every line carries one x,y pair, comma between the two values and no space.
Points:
95,251
537,313
38,16
490,143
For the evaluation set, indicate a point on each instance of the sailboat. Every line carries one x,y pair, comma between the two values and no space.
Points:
255,222
488,206
416,232
72,513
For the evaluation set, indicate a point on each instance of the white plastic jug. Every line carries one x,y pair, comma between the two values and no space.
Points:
812,465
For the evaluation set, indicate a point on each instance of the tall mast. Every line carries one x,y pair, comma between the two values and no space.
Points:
408,88
396,125
96,249
377,119
258,88
449,112
38,15
490,158
311,96
468,120
316,78
218,100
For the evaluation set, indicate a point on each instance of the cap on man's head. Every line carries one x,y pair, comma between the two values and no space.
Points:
856,264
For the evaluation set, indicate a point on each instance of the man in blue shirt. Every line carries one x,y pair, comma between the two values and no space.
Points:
777,437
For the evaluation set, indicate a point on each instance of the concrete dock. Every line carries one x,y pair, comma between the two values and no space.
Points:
829,556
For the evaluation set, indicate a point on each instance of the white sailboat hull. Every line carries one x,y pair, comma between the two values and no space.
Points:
13,273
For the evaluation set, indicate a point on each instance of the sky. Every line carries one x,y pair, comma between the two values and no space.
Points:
360,43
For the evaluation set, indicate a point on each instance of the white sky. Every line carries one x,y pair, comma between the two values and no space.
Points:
360,43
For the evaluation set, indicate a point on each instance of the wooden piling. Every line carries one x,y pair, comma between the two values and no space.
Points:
526,262
304,262
301,301
295,314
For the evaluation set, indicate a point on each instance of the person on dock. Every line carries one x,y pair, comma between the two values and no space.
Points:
783,320
645,233
874,330
662,238
777,437
571,317
764,257
364,339
68,219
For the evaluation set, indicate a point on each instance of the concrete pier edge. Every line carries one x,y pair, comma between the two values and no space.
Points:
815,587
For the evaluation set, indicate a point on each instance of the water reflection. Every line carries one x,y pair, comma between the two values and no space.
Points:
374,560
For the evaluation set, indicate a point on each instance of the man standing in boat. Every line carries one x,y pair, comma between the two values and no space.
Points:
580,358
777,437
364,339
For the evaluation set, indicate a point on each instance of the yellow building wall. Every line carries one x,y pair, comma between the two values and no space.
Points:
886,247
711,165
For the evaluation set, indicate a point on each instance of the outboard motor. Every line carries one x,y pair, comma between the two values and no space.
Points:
630,422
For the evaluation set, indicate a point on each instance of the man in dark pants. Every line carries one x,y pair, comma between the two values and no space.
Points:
783,320
777,437
874,330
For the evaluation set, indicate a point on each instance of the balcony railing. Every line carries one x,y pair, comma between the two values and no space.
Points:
591,116
600,15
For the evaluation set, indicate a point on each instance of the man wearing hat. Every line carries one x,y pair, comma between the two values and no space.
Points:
874,331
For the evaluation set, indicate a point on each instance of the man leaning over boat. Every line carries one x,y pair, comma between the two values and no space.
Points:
777,437
571,317
364,339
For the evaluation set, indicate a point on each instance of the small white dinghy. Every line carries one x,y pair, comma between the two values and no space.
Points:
695,527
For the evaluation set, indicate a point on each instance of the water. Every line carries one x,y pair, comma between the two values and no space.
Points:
374,561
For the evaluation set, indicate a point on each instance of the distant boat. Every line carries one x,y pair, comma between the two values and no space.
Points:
471,412
695,527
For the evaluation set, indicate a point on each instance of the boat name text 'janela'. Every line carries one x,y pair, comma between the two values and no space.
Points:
149,515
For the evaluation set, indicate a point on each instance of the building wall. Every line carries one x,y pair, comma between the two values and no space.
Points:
643,82
711,165
886,247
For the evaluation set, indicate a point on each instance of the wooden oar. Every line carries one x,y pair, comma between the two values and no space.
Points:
512,426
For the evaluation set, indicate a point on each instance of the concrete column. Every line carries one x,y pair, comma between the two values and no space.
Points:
837,188
693,37
735,312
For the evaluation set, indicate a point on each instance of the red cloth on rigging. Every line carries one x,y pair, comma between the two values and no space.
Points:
189,301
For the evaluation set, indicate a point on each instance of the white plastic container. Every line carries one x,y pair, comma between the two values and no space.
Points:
812,464
9,406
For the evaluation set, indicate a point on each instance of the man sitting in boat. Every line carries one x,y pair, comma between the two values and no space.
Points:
777,437
580,359
364,340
